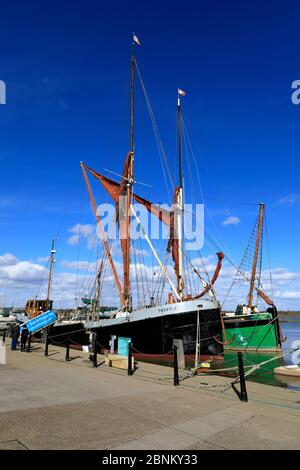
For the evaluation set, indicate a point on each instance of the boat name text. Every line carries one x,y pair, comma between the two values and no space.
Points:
167,309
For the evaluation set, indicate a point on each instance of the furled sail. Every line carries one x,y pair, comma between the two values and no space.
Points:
220,256
114,188
117,190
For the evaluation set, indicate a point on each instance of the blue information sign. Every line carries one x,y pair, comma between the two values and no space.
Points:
41,321
123,346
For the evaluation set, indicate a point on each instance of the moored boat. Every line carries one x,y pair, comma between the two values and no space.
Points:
154,326
248,328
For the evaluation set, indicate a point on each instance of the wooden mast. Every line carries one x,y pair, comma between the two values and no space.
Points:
102,233
130,176
95,301
53,251
257,246
179,200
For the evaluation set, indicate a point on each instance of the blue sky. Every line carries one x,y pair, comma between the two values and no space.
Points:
66,68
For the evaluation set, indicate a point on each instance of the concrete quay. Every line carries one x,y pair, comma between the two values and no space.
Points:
47,403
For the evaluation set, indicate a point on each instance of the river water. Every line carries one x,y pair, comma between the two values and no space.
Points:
290,327
291,330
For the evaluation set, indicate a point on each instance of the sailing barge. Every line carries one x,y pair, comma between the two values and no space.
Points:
152,328
195,319
248,328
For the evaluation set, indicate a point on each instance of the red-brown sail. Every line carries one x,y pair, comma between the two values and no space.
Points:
220,256
162,214
117,190
114,188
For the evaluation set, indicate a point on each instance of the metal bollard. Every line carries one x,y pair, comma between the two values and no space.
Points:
95,359
29,343
129,369
46,344
67,358
242,393
94,341
176,375
244,396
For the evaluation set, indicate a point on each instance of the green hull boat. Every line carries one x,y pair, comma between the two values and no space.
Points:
253,332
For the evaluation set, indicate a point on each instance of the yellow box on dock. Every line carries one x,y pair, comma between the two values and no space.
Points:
118,361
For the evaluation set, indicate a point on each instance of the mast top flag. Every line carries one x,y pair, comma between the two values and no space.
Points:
181,92
136,40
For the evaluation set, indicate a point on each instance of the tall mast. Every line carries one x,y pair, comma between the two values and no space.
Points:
53,251
95,301
132,101
130,179
128,190
257,246
179,201
179,138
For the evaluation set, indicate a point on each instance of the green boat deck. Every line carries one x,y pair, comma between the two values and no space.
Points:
256,332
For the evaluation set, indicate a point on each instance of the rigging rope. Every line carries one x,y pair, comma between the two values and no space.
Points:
161,151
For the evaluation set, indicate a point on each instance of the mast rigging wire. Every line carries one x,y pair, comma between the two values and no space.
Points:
161,151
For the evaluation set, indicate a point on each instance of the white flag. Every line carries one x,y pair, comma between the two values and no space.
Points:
136,40
181,92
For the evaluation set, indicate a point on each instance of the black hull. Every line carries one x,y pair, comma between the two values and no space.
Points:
155,335
74,333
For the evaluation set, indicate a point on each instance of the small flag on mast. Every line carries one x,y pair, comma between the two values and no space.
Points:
181,92
136,40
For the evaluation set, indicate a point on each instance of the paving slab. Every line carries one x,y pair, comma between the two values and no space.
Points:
47,403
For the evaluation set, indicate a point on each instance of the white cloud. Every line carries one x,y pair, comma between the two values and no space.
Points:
86,231
27,278
82,229
42,259
8,259
80,265
73,240
290,295
22,272
282,275
288,200
231,220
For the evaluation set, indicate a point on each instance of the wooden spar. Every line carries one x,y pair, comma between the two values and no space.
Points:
126,266
257,245
129,176
132,103
179,204
102,234
155,254
179,141
50,275
95,302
